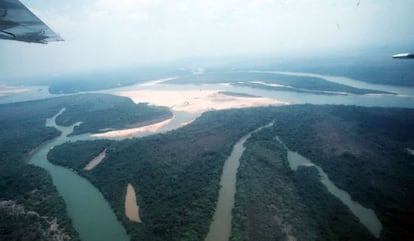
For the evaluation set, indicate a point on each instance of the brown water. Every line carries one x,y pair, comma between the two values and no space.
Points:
220,228
131,206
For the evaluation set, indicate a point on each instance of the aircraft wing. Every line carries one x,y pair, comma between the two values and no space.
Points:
403,56
17,22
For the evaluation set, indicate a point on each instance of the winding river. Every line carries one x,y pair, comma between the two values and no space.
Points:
91,214
365,215
94,219
220,227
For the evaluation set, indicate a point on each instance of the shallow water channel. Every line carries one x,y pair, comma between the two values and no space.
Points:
220,228
91,214
365,215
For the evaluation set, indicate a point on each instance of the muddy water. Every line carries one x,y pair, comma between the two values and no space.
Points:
131,206
220,228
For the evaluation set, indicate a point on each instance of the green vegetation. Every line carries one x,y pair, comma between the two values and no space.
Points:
275,203
363,151
22,129
78,154
267,203
100,111
175,175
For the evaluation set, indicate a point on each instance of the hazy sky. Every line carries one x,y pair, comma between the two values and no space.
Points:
113,33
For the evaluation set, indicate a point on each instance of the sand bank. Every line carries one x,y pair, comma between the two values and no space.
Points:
131,206
186,123
133,131
156,82
269,84
95,161
10,90
196,101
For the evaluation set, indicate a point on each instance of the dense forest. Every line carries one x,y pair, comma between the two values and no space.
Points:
176,174
78,154
29,202
275,203
102,112
363,151
30,188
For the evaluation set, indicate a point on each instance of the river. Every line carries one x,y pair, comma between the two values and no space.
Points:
365,215
220,227
91,214
93,218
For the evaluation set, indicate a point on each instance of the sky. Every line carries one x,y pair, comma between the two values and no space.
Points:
103,34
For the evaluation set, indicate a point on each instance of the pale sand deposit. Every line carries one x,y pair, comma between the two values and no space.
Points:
131,206
10,90
196,101
270,84
133,131
95,161
186,123
156,82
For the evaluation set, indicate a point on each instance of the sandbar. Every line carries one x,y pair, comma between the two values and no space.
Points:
6,90
156,82
196,101
133,131
269,84
95,161
131,206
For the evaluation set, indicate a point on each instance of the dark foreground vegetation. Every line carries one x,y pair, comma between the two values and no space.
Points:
29,202
78,154
363,151
176,175
28,198
275,203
